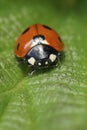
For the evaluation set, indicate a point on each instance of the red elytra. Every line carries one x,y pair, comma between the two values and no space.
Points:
51,36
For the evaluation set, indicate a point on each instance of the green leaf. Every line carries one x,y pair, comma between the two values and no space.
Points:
55,99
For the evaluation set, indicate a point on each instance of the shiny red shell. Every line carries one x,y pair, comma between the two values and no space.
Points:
51,36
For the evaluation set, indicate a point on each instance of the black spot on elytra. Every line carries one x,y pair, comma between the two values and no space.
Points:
42,36
18,45
47,27
27,29
59,39
36,36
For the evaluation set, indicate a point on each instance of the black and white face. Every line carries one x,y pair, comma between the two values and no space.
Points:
41,55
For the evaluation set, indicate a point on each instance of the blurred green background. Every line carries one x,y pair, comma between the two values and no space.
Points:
56,99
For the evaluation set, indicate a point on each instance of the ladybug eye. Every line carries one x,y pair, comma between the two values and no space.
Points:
59,39
27,29
47,27
18,45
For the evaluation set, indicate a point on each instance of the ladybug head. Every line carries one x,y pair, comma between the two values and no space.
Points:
42,56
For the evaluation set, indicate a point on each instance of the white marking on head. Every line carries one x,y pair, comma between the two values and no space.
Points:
31,61
46,63
45,42
52,57
35,42
39,63
31,43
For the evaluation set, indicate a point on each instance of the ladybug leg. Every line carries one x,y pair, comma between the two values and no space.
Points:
18,60
31,72
59,62
60,58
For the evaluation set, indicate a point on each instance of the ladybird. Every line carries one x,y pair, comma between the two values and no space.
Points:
39,46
